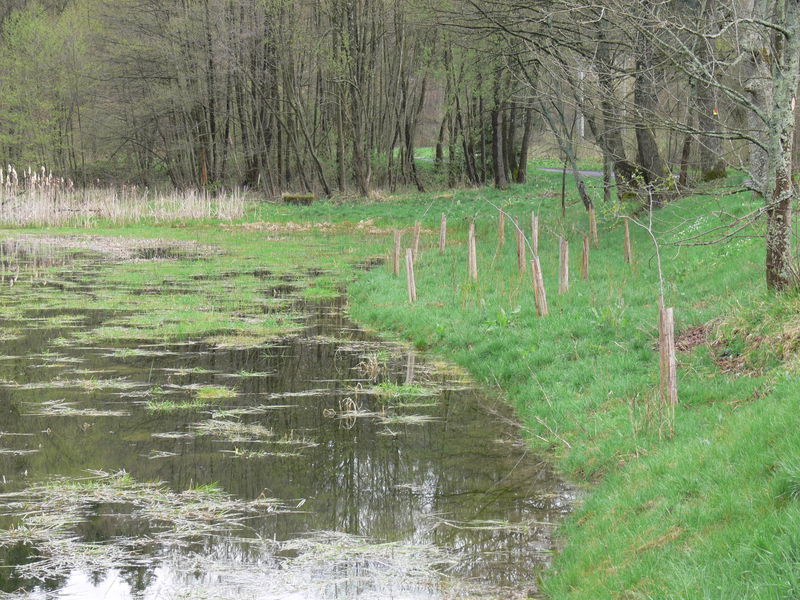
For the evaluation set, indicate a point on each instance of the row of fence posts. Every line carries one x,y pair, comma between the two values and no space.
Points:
522,262
668,390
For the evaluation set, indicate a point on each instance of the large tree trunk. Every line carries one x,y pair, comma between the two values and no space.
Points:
610,137
651,164
780,189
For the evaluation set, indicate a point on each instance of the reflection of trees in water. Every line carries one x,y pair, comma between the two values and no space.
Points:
384,483
22,554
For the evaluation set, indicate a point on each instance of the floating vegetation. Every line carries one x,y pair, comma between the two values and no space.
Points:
373,364
47,514
174,435
389,390
304,393
185,371
154,454
204,543
91,384
292,440
247,374
247,453
406,419
17,452
179,405
62,408
138,352
249,410
214,392
233,431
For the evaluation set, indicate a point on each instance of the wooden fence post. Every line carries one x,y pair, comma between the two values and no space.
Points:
628,250
535,233
442,233
585,259
396,262
520,246
417,227
563,267
472,253
593,227
539,293
412,284
501,229
668,389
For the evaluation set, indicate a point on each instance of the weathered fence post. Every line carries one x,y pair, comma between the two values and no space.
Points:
535,233
538,287
472,253
442,233
593,227
669,363
501,229
417,227
396,262
628,250
520,246
412,284
585,259
563,267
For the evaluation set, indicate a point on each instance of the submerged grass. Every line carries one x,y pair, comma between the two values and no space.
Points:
47,514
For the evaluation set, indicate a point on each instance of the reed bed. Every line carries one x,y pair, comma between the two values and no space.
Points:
47,201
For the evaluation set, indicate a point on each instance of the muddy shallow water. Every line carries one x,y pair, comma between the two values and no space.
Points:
327,464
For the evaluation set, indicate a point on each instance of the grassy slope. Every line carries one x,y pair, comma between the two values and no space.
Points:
710,513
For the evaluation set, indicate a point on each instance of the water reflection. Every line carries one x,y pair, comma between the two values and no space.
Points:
444,481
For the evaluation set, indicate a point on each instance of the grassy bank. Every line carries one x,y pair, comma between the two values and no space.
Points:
711,512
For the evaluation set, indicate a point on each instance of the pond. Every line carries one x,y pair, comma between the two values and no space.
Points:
327,464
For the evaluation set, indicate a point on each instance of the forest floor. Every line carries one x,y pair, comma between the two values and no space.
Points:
703,506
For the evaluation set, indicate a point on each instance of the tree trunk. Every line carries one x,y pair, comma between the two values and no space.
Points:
498,164
780,189
522,166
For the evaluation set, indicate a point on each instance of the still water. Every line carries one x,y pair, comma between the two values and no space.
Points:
326,464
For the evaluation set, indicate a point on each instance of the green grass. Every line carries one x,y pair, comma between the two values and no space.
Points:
169,406
214,392
388,390
709,513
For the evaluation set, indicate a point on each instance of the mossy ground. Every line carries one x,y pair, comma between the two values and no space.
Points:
709,512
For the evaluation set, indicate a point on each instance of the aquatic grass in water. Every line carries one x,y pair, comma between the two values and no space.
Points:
46,515
212,392
408,391
62,408
233,431
167,406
